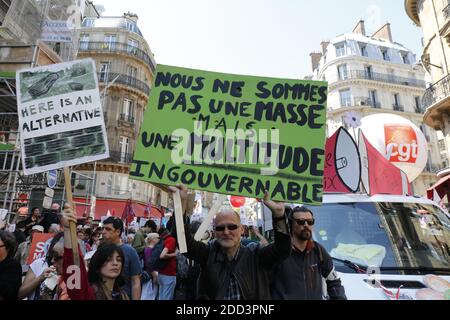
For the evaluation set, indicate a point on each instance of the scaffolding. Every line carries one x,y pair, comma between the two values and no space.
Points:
24,20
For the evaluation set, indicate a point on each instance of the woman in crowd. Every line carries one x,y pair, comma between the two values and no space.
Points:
94,240
150,288
34,285
103,280
10,269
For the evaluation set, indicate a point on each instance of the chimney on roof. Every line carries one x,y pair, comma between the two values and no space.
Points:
384,33
315,59
360,28
324,45
131,16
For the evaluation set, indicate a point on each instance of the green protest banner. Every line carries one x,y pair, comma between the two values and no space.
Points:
234,134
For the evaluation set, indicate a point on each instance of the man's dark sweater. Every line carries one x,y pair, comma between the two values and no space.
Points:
299,277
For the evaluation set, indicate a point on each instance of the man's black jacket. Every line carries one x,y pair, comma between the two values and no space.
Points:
252,269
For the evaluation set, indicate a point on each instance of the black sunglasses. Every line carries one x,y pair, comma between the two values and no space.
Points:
302,222
230,227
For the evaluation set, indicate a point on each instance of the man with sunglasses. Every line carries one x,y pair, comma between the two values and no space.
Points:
231,271
300,276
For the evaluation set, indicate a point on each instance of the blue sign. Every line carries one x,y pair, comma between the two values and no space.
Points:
52,178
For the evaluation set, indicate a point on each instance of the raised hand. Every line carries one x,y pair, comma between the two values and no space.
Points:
68,216
276,207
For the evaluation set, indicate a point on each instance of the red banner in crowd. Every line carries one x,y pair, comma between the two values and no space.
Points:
37,249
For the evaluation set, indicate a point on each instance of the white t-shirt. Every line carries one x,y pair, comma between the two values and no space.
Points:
38,266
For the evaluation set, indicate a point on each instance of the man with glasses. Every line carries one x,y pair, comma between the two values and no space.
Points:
231,271
300,276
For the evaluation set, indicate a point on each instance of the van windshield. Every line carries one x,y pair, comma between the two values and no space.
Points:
386,235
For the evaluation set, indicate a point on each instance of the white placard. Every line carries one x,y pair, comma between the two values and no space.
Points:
3,213
49,192
47,203
57,31
61,120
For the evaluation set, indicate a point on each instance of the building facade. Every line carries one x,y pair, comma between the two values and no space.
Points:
433,16
125,66
374,74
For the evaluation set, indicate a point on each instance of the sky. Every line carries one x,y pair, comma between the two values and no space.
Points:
270,38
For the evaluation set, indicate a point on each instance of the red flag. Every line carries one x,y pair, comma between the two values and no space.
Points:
128,213
379,176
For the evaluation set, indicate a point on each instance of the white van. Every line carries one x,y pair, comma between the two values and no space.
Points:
402,238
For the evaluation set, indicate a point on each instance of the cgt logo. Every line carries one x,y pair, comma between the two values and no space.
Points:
401,143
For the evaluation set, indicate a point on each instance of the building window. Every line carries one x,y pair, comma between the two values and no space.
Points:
88,22
84,42
342,72
373,99
128,110
133,45
132,71
405,57
368,72
346,99
385,54
417,107
109,185
396,99
131,26
397,105
104,71
363,50
124,148
110,41
121,185
340,50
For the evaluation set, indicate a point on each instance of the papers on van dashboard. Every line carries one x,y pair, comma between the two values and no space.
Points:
370,255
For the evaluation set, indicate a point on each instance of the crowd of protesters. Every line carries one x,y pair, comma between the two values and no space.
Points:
116,262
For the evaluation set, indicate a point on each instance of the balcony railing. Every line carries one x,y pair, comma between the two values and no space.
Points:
362,74
126,117
365,101
436,92
125,80
117,47
120,157
398,107
360,101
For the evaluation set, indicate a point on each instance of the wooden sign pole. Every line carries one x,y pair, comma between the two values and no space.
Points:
212,212
181,236
73,227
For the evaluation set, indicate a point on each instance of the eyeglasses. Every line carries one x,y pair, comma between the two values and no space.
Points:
303,222
230,227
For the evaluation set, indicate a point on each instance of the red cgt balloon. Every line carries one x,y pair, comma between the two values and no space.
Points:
237,201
